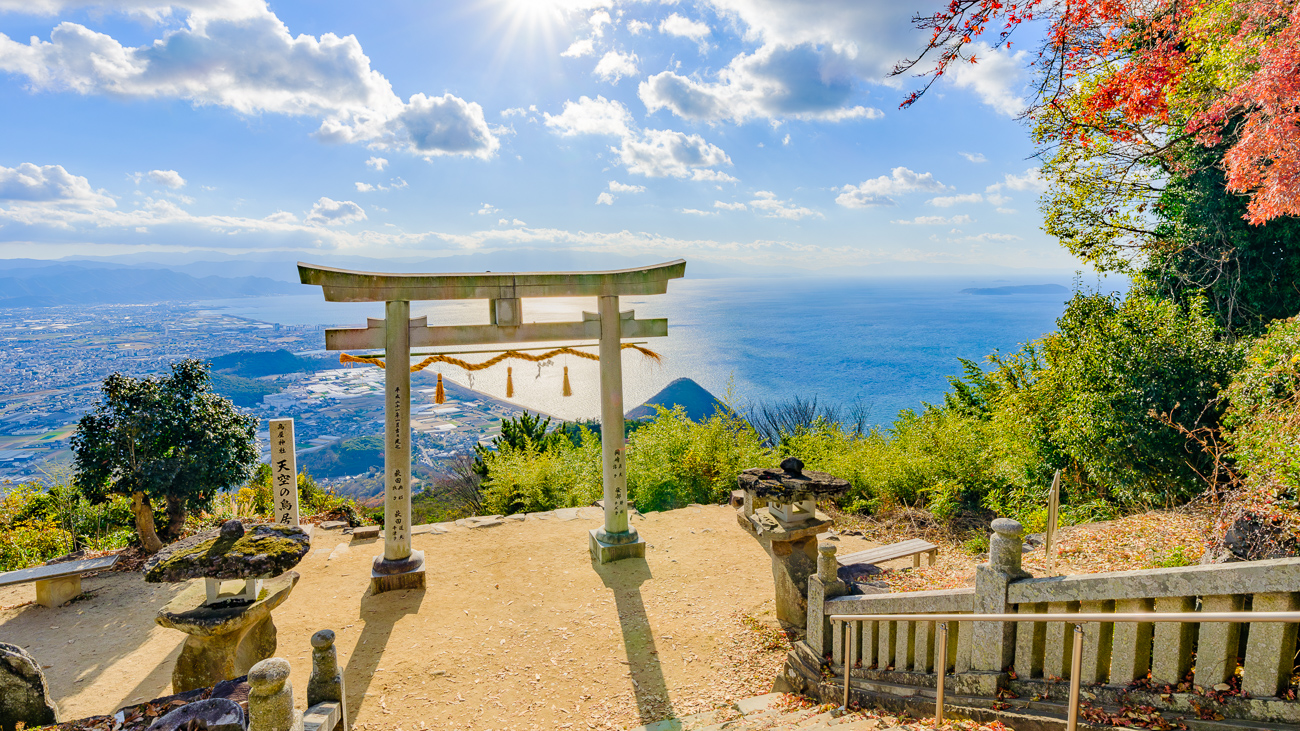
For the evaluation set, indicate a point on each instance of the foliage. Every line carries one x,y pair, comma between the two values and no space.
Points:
254,497
168,438
673,461
1110,370
529,478
1262,423
40,522
519,433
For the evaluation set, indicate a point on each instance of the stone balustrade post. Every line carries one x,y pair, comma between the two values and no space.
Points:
993,644
270,697
326,681
822,586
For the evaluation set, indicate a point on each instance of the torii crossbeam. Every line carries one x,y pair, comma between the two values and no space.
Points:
400,567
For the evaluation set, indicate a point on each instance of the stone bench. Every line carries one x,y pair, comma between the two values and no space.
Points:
59,582
913,547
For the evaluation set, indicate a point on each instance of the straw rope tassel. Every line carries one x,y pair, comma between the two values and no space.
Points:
510,383
439,396
568,390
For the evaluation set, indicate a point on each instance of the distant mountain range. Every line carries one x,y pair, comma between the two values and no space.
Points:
1020,289
69,284
698,403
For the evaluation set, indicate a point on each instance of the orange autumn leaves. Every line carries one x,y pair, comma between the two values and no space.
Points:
1150,71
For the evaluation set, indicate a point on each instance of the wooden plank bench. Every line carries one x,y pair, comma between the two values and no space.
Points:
57,583
913,547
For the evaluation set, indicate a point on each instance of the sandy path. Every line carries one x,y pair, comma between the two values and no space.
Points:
516,629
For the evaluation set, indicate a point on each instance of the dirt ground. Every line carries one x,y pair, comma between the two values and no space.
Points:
516,629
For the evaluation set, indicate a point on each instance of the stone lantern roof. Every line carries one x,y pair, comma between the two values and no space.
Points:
791,483
230,553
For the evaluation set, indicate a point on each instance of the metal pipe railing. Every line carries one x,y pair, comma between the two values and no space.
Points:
1078,619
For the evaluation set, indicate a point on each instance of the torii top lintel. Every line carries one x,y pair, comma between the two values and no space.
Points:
342,285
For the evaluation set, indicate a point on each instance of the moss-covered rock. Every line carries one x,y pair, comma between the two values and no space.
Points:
230,553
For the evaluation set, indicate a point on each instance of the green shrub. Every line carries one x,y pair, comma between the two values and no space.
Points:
673,461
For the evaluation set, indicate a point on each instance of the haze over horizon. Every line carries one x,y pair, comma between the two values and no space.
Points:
740,134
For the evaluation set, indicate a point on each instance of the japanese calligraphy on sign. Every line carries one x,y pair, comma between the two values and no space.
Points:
284,472
397,522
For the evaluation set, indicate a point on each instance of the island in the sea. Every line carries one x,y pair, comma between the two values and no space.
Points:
1018,289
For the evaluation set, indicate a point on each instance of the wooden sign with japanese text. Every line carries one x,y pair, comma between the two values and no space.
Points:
284,473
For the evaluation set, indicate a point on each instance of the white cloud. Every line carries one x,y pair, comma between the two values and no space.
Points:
657,153
598,21
974,156
614,66
772,207
936,221
997,199
996,77
650,152
947,201
49,185
445,125
487,210
979,238
772,83
786,141
509,222
335,213
237,54
1005,210
618,187
729,206
698,212
605,199
167,178
598,116
281,217
877,191
580,48
364,187
682,27
377,163
637,27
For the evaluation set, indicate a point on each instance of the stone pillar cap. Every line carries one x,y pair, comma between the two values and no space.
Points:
269,674
826,547
1007,527
322,639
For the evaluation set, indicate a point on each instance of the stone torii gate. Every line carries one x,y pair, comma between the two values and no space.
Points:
399,567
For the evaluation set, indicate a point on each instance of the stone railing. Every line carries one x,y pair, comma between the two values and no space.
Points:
889,660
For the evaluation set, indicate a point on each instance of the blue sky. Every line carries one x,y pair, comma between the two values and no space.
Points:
743,131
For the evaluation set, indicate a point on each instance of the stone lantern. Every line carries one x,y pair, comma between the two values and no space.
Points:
228,616
780,510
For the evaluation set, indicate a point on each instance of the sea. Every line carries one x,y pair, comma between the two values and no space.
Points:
888,344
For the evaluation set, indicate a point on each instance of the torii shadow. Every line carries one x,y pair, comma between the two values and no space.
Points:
380,613
624,578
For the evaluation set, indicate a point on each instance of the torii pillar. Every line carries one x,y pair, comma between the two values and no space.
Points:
400,567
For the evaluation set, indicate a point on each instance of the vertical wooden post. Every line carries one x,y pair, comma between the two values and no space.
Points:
1053,507
617,540
397,431
614,470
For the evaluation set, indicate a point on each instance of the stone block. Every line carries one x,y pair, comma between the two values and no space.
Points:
407,573
1131,658
1059,648
1217,643
1171,657
213,714
1270,648
1031,643
270,697
326,716
24,695
55,592
603,553
1097,643
923,647
366,532
333,525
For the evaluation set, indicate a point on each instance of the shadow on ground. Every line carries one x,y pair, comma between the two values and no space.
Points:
381,613
624,578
